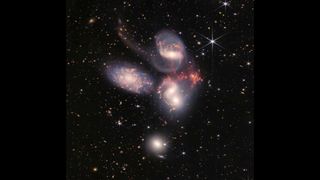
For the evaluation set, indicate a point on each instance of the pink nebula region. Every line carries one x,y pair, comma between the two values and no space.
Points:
175,91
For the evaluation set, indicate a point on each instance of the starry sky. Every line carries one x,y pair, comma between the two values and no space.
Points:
109,129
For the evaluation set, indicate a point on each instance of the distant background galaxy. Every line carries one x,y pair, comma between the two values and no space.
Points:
160,89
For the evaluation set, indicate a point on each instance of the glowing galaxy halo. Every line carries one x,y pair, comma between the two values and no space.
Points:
171,50
129,77
157,145
171,94
175,90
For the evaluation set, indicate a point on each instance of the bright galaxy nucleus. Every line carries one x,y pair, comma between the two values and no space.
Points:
175,92
171,93
130,78
171,50
157,145
166,56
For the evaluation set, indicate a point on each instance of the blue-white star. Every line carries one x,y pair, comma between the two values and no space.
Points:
211,41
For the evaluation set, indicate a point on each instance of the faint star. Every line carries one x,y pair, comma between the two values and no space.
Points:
119,123
92,20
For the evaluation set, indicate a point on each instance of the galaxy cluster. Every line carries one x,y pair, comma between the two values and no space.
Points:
167,56
176,86
160,89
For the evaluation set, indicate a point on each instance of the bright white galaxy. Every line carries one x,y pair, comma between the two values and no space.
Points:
157,145
171,93
130,78
175,91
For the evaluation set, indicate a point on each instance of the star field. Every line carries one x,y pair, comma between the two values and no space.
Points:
116,132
